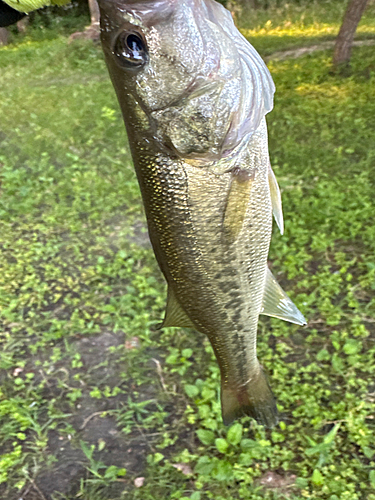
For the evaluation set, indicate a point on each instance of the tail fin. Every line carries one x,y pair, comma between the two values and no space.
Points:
254,399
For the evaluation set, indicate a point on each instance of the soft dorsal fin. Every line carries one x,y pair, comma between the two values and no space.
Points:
237,203
276,199
174,314
276,303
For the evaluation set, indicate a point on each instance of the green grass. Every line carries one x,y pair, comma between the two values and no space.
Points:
78,282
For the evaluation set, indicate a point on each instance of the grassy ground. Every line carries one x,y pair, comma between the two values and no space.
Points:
92,395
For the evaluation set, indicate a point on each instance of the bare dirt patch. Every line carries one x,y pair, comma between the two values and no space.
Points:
302,51
93,421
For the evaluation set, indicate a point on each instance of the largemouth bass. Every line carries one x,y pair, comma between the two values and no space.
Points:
194,94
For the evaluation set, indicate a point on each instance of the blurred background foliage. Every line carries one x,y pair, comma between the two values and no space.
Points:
69,14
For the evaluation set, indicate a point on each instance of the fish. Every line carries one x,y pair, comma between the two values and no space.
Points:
194,94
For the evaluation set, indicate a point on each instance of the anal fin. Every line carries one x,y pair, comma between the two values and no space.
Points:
276,303
276,199
174,314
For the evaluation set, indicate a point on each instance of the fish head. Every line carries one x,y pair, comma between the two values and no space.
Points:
184,75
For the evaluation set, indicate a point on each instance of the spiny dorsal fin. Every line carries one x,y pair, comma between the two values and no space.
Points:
237,202
276,199
174,314
276,303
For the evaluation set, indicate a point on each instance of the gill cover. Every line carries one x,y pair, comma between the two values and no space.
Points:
204,87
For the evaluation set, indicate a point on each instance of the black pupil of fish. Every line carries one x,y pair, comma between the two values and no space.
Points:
135,46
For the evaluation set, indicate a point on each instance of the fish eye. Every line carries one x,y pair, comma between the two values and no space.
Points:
131,50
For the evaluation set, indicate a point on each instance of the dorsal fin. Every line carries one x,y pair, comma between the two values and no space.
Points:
276,303
174,314
276,199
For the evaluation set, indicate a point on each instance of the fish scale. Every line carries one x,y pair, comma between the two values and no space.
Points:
194,95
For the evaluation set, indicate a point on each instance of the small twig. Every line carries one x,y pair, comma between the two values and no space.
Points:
44,378
37,488
145,438
316,321
25,492
335,421
370,417
160,373
64,370
367,319
87,419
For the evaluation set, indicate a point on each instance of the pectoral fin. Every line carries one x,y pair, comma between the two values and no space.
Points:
237,202
276,303
276,200
174,314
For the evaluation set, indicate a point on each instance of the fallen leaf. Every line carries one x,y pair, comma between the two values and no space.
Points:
184,468
132,343
138,482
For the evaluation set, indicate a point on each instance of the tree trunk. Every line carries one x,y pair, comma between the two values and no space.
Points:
23,24
94,12
91,32
344,41
4,35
